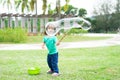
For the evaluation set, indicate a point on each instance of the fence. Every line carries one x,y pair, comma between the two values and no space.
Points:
33,23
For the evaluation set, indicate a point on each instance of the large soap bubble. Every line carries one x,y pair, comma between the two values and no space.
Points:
67,23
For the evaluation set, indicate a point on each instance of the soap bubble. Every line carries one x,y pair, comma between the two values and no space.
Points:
68,23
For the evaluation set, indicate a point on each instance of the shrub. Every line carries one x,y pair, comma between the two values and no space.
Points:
77,31
15,35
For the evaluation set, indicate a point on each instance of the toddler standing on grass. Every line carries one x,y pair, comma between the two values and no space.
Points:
52,57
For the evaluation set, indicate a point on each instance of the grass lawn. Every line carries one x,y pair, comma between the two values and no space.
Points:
68,38
101,63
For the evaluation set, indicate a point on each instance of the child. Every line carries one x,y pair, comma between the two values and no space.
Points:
52,57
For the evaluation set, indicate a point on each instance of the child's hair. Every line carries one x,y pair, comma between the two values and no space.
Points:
50,26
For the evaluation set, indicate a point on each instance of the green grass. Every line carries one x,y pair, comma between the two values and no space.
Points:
68,38
101,63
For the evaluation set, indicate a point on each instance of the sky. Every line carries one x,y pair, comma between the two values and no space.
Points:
86,4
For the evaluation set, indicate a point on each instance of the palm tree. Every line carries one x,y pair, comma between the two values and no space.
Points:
24,4
58,7
44,7
33,5
7,3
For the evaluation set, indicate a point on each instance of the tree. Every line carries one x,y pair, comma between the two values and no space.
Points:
44,6
33,3
24,4
82,12
71,10
50,11
117,15
58,7
103,16
117,7
66,6
103,8
7,3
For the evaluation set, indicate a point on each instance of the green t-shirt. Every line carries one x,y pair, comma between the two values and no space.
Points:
51,44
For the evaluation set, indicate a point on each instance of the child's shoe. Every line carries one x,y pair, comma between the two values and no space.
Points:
55,74
49,72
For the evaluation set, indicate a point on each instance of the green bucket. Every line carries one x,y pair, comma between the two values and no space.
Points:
34,71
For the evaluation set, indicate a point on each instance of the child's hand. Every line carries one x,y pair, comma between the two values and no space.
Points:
43,46
58,43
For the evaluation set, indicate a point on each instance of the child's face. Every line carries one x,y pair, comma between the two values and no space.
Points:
50,29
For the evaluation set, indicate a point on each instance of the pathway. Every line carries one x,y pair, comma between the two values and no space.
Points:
83,44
